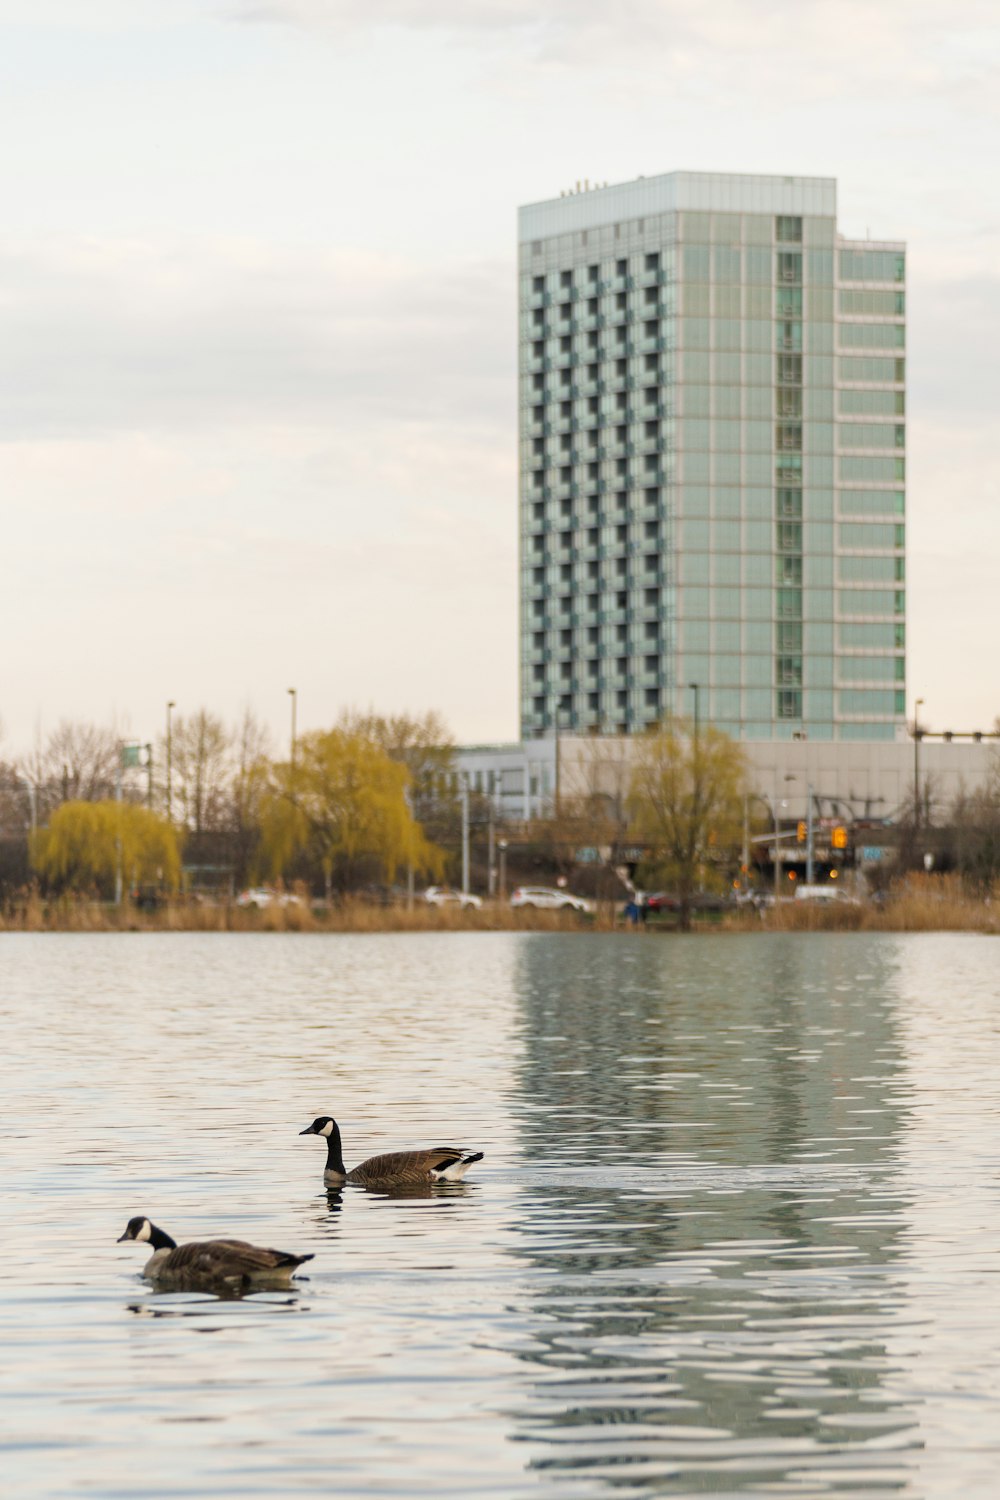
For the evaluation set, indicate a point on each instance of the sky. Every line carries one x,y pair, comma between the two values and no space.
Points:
258,323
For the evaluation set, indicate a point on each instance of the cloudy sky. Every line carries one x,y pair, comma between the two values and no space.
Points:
257,322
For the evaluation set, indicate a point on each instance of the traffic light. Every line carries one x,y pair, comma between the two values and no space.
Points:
800,832
839,839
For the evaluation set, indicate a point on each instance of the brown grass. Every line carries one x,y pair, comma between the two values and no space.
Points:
29,912
922,903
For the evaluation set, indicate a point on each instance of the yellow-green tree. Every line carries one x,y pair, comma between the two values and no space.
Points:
686,802
87,843
344,801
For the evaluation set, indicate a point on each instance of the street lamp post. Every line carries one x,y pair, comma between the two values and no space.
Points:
502,846
170,708
916,763
293,694
695,687
809,834
465,831
555,726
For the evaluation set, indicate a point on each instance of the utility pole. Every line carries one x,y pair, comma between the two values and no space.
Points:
465,831
809,834
916,764
170,809
293,694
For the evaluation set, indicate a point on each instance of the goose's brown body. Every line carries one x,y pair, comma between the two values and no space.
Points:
393,1168
405,1167
211,1265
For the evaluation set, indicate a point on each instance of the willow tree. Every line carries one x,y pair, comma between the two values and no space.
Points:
87,844
686,804
344,801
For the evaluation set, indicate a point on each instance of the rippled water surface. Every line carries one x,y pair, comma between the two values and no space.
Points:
736,1230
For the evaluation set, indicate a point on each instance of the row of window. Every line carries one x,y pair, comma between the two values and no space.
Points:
871,265
714,369
616,440
724,502
872,304
755,262
752,641
871,403
571,701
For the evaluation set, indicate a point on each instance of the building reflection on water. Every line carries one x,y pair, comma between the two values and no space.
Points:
712,1217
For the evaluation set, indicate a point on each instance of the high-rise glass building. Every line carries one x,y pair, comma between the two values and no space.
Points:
712,461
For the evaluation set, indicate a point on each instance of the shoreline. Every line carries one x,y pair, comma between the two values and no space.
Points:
913,910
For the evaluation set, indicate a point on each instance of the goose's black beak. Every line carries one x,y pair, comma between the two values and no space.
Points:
308,1131
122,1238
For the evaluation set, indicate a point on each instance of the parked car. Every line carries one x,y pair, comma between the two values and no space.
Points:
546,898
446,895
259,896
825,895
662,901
697,901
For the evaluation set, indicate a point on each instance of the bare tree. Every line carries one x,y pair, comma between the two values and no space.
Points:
78,762
200,768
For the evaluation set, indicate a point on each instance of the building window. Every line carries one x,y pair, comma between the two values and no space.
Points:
788,228
789,704
789,266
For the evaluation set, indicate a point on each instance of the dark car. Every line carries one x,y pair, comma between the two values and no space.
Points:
662,901
697,901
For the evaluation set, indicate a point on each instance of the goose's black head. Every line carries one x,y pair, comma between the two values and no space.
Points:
138,1228
322,1125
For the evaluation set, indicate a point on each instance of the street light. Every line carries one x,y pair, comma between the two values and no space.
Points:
809,834
916,763
293,694
555,728
777,834
170,708
502,846
694,686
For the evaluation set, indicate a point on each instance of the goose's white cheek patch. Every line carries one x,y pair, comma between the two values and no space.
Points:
327,1129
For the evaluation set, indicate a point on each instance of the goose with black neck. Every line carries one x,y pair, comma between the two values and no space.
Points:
393,1168
221,1266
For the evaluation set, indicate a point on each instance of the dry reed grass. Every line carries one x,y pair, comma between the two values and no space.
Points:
919,903
30,912
922,903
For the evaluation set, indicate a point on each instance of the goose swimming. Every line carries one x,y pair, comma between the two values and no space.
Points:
209,1265
395,1168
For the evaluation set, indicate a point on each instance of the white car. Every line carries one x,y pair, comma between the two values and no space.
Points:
259,896
546,898
446,895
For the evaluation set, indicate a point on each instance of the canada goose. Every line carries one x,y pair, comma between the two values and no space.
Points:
440,1164
210,1265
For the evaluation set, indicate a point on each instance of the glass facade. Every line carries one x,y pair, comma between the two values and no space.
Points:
712,462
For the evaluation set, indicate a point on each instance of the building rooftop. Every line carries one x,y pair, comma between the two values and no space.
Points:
586,207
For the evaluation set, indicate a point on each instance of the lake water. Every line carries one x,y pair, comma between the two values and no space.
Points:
737,1230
